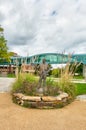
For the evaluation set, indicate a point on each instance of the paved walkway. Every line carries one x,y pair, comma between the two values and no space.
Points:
5,84
81,97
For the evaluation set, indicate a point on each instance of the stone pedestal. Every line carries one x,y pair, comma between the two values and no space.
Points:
40,91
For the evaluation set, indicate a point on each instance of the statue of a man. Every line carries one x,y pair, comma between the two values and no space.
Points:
43,71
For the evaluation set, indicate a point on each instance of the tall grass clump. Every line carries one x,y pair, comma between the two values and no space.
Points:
66,78
26,84
52,87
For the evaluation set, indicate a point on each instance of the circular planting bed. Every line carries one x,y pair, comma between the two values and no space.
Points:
42,101
26,92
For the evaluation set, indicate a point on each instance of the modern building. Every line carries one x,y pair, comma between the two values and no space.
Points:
51,58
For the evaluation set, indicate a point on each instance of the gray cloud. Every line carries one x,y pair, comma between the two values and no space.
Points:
38,26
2,18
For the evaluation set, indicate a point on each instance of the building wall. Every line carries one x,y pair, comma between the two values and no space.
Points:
84,71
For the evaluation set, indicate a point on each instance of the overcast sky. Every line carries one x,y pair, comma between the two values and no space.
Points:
39,26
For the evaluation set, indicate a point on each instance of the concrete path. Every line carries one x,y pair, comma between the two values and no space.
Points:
5,84
81,97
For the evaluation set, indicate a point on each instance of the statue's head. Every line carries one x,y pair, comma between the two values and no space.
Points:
44,60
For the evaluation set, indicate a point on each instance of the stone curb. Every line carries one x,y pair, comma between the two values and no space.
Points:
41,101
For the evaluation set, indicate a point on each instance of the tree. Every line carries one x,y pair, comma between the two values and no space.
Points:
4,54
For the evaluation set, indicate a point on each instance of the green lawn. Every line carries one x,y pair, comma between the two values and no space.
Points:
81,88
78,77
11,75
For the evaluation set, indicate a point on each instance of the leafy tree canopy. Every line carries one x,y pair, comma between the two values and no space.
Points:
4,54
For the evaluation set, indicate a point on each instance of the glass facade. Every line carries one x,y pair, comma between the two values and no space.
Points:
51,58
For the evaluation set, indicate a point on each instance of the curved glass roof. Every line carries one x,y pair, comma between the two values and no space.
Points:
51,58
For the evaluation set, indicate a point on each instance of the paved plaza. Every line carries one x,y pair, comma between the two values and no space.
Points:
5,84
14,117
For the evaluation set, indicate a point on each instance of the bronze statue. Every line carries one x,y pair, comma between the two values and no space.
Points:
43,71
